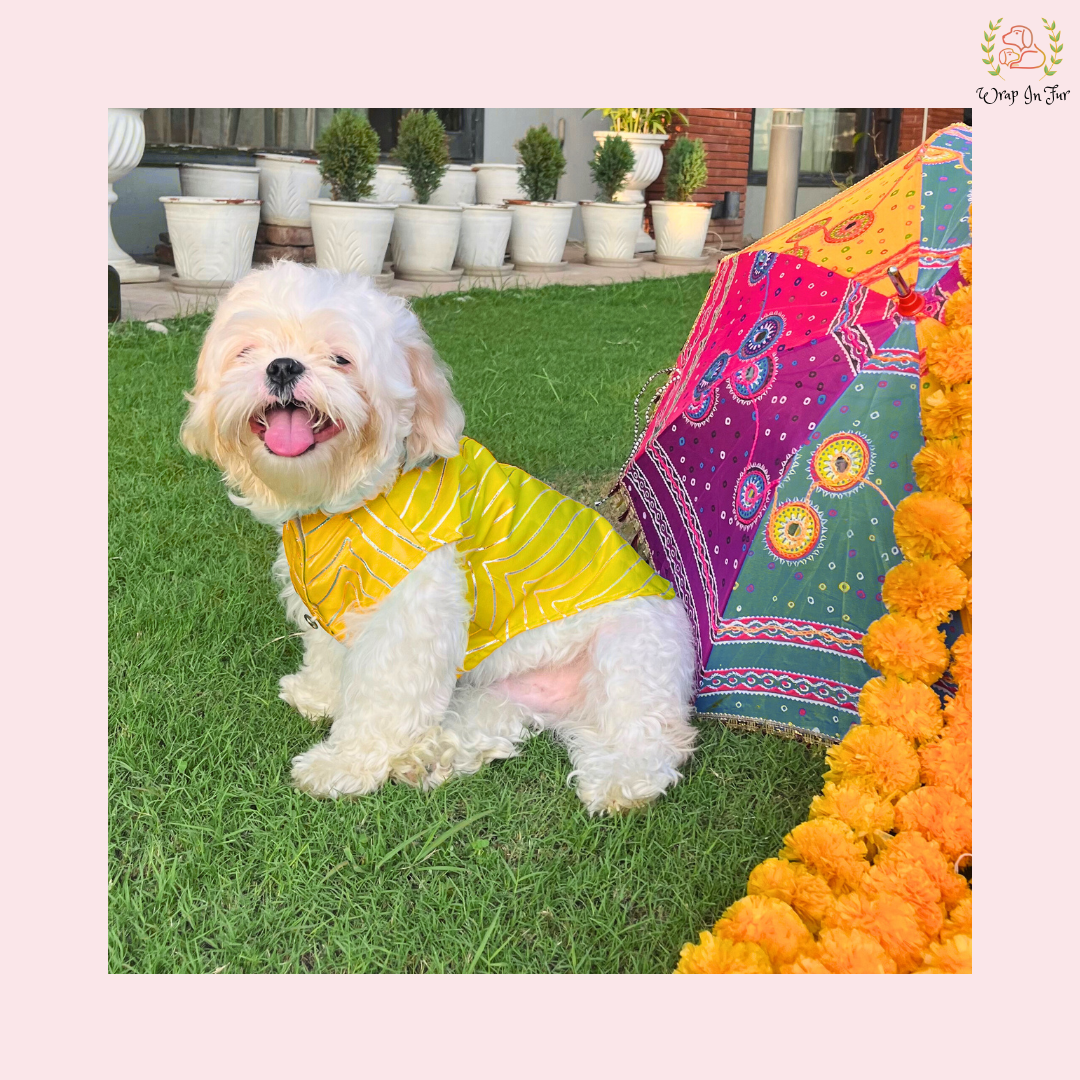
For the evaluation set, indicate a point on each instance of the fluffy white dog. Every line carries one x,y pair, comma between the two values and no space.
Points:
316,394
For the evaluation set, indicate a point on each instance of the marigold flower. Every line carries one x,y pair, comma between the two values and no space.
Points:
881,755
944,466
947,763
912,708
804,965
961,660
928,524
853,952
913,849
925,589
829,848
773,877
946,414
889,920
948,355
813,898
957,311
767,922
913,884
858,804
903,646
964,262
959,920
953,957
722,956
928,330
939,814
958,713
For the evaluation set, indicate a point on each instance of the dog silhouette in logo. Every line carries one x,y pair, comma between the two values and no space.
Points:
1024,54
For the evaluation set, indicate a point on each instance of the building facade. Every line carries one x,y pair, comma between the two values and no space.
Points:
839,147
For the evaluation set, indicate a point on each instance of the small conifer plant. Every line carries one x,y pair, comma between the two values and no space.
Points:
543,164
348,152
422,148
611,163
687,170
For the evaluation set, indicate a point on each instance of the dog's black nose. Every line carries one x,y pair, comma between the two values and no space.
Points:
284,371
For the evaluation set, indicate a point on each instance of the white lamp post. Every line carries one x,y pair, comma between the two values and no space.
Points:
782,182
127,137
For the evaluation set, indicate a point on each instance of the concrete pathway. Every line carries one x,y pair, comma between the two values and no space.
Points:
148,302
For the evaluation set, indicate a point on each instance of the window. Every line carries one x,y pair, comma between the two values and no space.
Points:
833,146
231,136
465,127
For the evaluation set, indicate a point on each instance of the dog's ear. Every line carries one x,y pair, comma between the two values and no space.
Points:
437,421
198,432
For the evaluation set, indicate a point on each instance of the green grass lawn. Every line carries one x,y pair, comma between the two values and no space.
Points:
216,864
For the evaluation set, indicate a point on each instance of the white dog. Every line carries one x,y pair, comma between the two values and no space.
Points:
321,399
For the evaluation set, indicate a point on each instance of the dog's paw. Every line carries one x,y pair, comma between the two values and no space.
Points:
428,762
608,796
307,697
327,773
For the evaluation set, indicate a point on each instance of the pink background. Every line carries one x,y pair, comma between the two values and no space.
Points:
64,1014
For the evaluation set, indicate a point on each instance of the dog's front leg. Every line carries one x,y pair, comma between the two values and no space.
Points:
398,674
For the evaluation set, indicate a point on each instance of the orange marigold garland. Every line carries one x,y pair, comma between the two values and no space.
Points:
925,589
912,708
878,755
946,414
928,524
906,647
869,884
944,465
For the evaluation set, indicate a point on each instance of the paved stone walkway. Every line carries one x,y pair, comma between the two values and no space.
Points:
148,302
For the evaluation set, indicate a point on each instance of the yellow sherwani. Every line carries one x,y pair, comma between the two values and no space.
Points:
531,555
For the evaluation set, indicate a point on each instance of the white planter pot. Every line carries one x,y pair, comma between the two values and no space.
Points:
127,139
485,231
611,230
392,184
538,234
351,236
497,183
212,240
458,186
681,228
425,240
219,181
286,186
648,161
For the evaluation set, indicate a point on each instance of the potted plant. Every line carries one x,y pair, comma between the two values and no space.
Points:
496,183
286,183
485,230
350,231
458,186
425,236
680,224
219,181
646,130
611,227
392,184
540,225
212,240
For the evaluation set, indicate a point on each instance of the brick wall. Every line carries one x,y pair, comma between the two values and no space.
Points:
911,125
726,133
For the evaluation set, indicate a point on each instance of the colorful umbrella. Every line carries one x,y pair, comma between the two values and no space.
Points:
766,478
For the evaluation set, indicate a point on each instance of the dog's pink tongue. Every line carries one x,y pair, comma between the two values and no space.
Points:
288,431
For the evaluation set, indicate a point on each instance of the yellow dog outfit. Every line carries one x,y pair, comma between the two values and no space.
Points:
531,555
